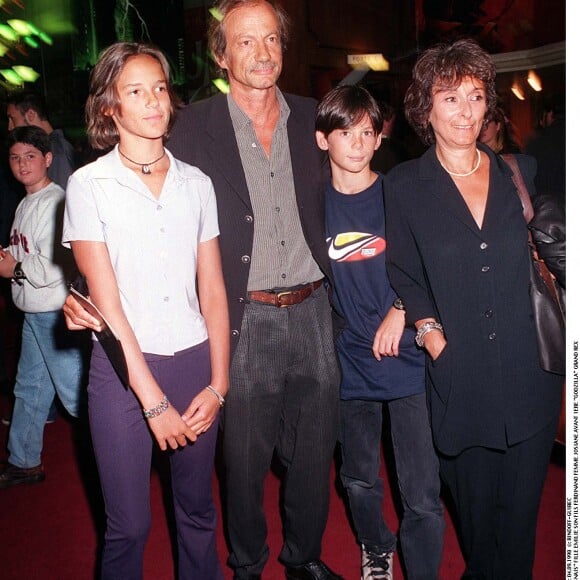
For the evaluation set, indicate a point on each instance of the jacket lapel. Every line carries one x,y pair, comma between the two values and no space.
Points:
222,148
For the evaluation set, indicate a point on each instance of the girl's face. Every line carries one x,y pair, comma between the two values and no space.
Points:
489,133
144,106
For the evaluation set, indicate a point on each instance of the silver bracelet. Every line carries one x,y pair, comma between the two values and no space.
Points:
158,409
219,397
424,329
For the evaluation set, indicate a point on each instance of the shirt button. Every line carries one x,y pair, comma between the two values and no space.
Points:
162,230
246,259
248,218
284,276
235,333
485,269
166,299
483,246
492,336
283,243
159,207
277,209
489,313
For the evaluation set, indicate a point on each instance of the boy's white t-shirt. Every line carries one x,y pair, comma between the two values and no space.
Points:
34,241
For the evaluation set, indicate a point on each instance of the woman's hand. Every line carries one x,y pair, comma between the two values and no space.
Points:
202,412
7,263
388,335
170,430
435,343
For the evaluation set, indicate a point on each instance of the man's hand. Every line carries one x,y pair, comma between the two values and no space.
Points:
77,318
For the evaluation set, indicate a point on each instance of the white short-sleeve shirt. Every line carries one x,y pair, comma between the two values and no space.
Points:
152,243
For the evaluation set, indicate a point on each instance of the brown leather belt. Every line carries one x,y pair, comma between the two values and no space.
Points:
285,297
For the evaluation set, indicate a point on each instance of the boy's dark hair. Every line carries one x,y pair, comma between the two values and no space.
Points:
31,135
25,101
345,106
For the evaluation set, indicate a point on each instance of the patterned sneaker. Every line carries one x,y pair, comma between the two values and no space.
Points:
376,565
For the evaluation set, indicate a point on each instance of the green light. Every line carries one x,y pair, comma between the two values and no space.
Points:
20,26
31,42
7,33
26,73
11,76
216,14
45,38
222,85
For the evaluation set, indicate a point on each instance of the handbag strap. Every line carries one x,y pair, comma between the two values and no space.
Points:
521,187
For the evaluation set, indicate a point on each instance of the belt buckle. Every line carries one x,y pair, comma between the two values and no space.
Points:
280,294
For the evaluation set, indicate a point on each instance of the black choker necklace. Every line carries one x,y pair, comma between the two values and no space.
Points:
145,167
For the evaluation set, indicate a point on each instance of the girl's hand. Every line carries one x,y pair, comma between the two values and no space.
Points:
170,430
202,412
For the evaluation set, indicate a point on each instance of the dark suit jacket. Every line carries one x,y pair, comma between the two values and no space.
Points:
203,136
486,388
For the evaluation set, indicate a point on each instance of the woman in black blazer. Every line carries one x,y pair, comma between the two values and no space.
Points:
458,257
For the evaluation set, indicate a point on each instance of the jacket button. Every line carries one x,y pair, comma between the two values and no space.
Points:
248,218
235,333
483,246
489,313
246,259
241,300
485,269
492,336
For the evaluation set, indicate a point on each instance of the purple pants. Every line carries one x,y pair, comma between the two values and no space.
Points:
123,447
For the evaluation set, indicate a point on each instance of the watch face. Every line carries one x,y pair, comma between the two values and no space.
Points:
18,272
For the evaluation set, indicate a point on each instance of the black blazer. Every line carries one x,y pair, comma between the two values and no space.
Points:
203,136
486,388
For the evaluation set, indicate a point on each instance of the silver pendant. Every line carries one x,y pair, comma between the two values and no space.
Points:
146,169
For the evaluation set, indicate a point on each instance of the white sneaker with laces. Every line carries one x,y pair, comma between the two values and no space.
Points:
376,565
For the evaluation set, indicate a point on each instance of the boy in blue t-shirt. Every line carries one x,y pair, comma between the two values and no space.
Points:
379,360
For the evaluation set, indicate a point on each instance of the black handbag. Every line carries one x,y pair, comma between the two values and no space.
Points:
545,293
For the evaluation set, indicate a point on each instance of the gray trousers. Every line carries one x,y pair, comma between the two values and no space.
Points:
283,399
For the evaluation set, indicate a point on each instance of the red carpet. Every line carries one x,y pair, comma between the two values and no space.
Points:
49,531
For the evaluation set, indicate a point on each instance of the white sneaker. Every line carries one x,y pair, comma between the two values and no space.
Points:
376,565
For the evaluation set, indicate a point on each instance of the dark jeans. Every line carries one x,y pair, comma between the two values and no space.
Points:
283,399
422,525
123,446
497,496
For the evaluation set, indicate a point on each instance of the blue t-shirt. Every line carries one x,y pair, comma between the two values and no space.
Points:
362,293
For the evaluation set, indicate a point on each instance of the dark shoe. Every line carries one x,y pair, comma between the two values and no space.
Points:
12,475
315,570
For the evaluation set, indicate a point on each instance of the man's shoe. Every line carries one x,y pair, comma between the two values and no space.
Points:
12,475
376,564
315,570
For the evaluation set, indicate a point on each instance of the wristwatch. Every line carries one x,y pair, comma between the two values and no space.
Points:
18,273
398,304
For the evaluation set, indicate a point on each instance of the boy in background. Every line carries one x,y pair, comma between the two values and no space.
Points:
50,360
380,363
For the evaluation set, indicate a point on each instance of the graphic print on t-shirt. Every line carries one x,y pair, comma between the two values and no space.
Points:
355,246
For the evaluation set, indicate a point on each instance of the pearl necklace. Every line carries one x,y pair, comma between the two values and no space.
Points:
464,174
145,167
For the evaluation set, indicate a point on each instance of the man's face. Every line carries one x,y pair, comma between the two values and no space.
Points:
15,117
253,55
